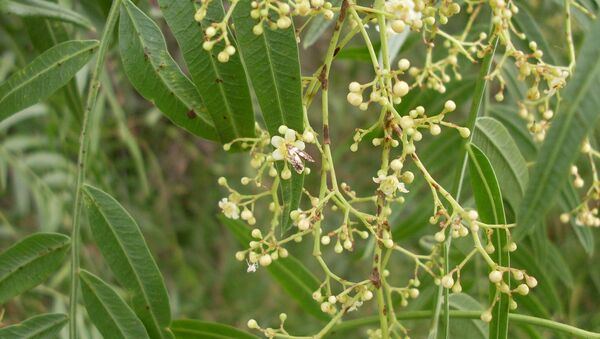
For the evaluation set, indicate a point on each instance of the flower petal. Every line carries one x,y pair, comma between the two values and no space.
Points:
300,145
290,135
277,155
276,141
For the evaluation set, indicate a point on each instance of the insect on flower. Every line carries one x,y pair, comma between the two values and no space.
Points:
295,156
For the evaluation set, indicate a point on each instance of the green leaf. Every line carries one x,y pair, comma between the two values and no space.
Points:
488,200
510,166
108,311
466,328
272,63
562,143
45,326
157,77
44,9
295,279
30,262
222,86
196,329
568,199
123,246
44,75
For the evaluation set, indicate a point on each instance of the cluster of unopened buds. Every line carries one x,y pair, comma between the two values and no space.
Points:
586,213
380,91
216,33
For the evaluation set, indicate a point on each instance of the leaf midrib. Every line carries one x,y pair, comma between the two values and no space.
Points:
135,273
53,250
43,71
114,320
159,74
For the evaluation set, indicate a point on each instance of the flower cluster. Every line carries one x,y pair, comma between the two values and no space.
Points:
216,33
586,213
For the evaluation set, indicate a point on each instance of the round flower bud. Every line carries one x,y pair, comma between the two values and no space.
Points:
518,275
282,317
256,233
230,50
284,22
398,26
316,295
252,324
413,292
495,276
223,56
332,299
325,240
222,181
564,218
435,129
258,29
531,281
308,137
447,281
211,31
457,288
348,244
304,224
396,165
286,174
338,248
208,45
354,87
464,132
440,236
486,316
401,88
473,215
403,64
354,99
450,106
523,289
240,256
283,252
265,260
367,295
388,243
325,307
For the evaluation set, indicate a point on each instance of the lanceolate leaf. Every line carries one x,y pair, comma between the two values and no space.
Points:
295,279
123,246
46,9
108,311
44,75
222,86
563,141
157,77
45,326
30,262
196,329
568,199
272,63
489,205
510,166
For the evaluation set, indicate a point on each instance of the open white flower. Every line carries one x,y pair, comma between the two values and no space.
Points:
289,149
390,184
229,209
281,144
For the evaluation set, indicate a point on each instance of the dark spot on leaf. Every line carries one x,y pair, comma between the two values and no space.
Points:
219,81
191,114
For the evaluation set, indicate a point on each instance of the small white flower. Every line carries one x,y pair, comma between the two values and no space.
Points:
289,149
390,184
230,209
251,267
